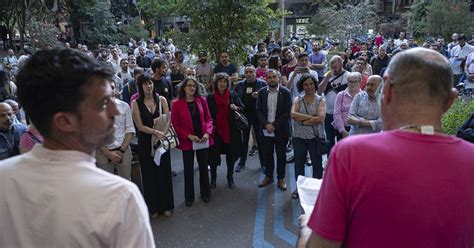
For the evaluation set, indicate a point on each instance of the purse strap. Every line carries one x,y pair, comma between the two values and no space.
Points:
307,112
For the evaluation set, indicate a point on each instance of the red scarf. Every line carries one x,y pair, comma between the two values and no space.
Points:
222,116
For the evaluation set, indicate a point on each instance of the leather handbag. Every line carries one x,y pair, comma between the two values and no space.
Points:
161,123
241,122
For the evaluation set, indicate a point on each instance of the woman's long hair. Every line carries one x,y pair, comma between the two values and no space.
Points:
140,82
182,93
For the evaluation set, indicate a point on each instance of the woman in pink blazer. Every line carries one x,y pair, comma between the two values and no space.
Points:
193,124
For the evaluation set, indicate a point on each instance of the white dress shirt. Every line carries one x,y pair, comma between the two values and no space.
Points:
123,124
52,198
272,103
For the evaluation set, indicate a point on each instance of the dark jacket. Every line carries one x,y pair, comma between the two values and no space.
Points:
241,91
282,116
466,131
235,146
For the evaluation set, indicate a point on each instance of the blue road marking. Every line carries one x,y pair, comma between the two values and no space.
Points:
279,222
259,227
295,203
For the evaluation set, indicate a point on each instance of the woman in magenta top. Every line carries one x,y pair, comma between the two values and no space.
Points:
193,124
342,105
29,138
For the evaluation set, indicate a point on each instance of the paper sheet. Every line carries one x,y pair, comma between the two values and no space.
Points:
308,190
268,134
157,158
199,146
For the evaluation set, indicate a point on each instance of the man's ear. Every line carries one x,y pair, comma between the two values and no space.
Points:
387,90
452,97
65,122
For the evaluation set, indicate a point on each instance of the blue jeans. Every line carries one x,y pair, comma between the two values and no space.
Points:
301,147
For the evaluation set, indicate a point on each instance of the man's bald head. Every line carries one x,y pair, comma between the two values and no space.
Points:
421,76
6,116
336,63
373,84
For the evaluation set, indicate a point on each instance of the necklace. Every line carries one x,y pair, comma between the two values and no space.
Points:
424,129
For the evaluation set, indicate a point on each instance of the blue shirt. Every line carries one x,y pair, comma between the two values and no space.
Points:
10,141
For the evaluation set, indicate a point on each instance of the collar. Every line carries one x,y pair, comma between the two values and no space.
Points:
56,156
276,90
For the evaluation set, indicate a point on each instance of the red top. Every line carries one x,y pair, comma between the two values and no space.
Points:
398,189
183,124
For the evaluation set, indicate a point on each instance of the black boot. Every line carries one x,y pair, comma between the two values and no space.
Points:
230,182
213,177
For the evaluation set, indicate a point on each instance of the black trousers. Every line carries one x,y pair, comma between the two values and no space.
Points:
270,145
253,122
331,132
226,150
188,160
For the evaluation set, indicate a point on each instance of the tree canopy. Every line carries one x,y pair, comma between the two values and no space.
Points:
343,20
218,25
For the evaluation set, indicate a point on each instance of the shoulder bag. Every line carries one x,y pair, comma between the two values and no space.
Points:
170,140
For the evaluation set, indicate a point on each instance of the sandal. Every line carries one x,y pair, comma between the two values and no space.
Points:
295,195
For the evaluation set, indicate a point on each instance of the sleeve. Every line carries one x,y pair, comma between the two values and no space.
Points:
175,120
354,110
262,119
129,127
338,122
286,114
129,224
207,117
26,141
328,218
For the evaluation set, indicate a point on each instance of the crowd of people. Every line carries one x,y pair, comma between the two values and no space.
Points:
291,99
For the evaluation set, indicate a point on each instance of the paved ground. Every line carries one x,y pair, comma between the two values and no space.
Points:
243,217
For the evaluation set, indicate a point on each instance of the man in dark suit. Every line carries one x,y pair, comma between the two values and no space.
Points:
247,90
273,112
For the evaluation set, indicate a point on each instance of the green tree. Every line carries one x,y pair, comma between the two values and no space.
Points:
135,30
416,17
444,18
218,25
157,9
92,21
343,20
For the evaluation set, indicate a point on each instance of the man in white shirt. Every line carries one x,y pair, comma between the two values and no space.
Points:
458,57
401,39
55,196
334,82
301,68
117,154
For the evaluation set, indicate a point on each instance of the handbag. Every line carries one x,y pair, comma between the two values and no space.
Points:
322,144
241,122
170,140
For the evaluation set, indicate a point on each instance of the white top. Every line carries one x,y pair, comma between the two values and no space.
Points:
331,96
56,198
458,52
123,124
470,63
272,103
294,89
398,42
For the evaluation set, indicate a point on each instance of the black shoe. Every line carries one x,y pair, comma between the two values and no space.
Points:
239,168
253,150
205,199
230,182
188,203
174,173
213,185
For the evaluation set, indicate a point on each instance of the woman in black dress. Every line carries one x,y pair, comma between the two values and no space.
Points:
227,138
157,184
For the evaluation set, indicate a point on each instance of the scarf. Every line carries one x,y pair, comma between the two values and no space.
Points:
222,120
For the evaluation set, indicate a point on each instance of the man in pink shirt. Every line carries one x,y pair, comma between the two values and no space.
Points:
410,186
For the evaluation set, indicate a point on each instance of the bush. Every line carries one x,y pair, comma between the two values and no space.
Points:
457,115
